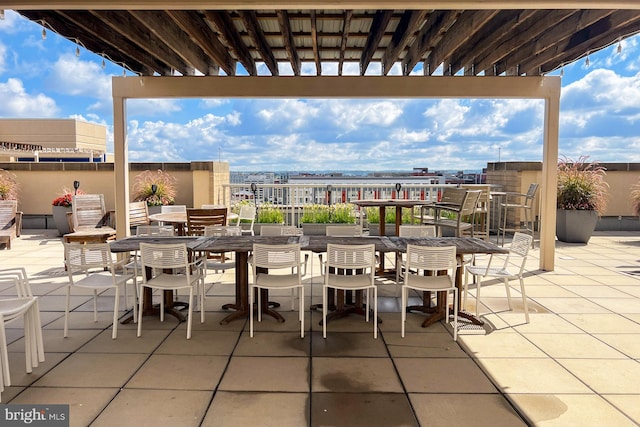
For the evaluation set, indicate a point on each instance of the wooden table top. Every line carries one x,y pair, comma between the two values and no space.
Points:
464,245
175,217
405,203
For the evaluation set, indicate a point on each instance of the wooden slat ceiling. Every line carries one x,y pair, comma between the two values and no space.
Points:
236,42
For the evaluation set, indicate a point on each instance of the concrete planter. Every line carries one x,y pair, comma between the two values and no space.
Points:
315,229
389,229
60,218
575,226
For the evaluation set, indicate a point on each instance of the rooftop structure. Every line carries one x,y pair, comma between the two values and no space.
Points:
52,140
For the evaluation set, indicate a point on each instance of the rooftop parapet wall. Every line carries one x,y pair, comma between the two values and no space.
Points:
516,176
40,183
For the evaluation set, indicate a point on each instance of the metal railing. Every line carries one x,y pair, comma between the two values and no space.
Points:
291,198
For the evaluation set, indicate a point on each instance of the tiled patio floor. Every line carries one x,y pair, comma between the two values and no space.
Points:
575,364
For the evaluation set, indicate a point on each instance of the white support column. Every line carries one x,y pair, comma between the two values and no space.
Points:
121,165
550,181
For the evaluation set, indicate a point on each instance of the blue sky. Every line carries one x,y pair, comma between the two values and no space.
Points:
600,115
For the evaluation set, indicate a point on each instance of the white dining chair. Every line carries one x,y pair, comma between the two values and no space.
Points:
424,267
23,305
505,268
276,267
91,266
352,268
167,267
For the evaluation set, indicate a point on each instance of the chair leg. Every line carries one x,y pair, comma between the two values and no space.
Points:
403,307
140,302
455,313
190,318
95,305
115,313
251,292
301,309
478,287
324,312
375,312
66,313
38,329
524,300
4,356
162,303
506,286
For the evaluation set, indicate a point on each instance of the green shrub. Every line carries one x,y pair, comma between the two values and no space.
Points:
581,185
165,188
340,213
373,215
270,214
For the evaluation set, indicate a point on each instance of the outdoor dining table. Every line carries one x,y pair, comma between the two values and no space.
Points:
243,245
179,219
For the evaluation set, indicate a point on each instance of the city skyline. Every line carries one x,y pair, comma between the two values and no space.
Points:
600,107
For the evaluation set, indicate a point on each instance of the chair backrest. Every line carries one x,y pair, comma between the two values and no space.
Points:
280,230
519,249
247,212
87,257
197,219
164,256
356,258
17,276
138,214
8,209
531,194
417,231
154,230
173,208
432,259
89,211
274,257
470,203
221,230
348,230
453,196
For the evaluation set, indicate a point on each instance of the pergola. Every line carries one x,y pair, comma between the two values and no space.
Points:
477,48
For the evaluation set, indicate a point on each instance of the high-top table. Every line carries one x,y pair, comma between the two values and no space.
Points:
382,204
242,245
179,219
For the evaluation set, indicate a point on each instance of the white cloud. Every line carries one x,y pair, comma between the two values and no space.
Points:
352,114
16,102
73,76
289,114
3,60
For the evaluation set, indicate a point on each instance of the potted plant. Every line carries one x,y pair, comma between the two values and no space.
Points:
9,188
581,196
157,188
268,213
315,217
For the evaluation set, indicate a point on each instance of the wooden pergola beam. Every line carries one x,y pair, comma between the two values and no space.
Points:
318,4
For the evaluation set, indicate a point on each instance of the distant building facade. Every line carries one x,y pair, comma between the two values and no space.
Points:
52,140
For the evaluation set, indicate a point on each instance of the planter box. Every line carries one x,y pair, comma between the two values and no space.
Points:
60,218
311,229
389,229
575,226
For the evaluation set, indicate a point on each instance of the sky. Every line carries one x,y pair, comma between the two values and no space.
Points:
599,115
